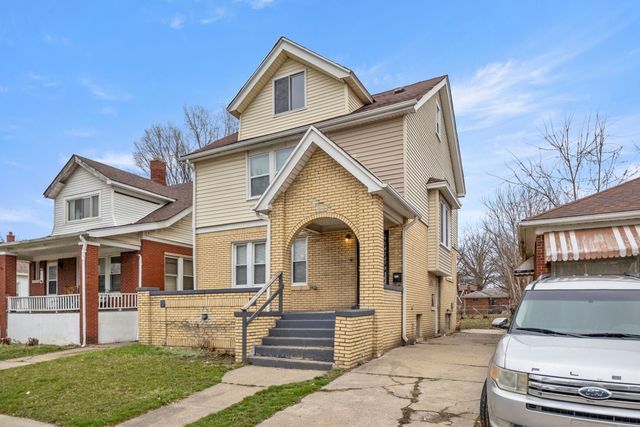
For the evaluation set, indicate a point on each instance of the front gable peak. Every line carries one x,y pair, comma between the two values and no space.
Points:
286,49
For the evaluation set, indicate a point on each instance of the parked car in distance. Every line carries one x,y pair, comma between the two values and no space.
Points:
571,356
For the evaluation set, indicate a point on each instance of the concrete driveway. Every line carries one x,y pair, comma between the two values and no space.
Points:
433,383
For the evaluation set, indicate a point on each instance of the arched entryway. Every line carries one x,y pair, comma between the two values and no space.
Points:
322,266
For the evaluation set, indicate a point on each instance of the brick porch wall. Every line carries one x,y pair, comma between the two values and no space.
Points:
129,272
37,288
540,264
8,270
67,276
353,340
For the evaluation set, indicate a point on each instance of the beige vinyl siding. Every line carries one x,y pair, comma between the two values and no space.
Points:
325,98
80,183
353,102
127,209
222,191
378,146
180,232
427,155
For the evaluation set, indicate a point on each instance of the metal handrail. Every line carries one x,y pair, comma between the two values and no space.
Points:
246,319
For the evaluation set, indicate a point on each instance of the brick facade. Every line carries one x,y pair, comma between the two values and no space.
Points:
91,289
540,264
129,271
153,254
257,329
67,275
37,287
8,271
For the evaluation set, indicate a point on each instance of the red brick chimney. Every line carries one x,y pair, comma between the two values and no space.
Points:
11,237
158,169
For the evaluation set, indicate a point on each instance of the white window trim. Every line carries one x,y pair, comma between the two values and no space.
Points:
273,91
447,225
180,272
250,270
306,262
54,264
67,199
272,168
438,120
107,272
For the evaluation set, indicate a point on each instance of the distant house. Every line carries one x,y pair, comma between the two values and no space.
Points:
486,301
466,288
598,234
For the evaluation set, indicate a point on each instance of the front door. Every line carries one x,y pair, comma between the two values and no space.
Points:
22,285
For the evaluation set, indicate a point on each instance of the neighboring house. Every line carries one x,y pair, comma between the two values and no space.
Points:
485,301
465,288
349,199
598,234
113,231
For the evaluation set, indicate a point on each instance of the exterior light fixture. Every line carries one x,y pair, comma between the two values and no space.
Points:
347,238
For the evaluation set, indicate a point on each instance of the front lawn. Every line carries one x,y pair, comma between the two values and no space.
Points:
252,410
13,351
105,387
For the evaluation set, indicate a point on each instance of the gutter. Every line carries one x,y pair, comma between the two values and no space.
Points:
405,227
327,125
84,290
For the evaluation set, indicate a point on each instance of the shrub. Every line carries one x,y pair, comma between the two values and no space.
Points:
33,342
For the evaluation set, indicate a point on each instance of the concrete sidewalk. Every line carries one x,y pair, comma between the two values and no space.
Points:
6,420
46,357
235,386
433,383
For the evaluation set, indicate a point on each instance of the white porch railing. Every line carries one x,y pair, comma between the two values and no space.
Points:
117,301
69,302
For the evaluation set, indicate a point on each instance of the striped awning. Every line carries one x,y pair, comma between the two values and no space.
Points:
594,243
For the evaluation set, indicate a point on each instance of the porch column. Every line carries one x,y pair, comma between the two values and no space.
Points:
8,265
90,272
540,263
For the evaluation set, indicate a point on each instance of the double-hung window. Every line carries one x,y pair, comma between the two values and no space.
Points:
52,278
288,93
445,224
109,269
299,261
249,263
178,273
263,167
83,207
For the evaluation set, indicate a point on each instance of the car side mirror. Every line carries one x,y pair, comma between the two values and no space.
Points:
501,323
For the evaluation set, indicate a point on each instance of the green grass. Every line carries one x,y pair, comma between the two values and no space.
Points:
264,404
471,323
14,351
105,387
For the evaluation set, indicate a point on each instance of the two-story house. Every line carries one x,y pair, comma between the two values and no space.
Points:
341,203
112,231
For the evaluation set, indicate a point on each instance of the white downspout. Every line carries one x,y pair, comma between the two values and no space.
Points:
139,270
193,225
404,277
84,290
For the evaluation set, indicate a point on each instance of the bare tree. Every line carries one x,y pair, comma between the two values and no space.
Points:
571,164
475,263
169,142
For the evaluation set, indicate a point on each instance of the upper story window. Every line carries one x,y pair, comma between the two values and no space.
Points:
262,168
438,120
83,207
288,93
445,224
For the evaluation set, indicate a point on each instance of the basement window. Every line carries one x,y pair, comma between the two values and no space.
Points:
289,93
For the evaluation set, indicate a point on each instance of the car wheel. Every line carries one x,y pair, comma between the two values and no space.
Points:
484,408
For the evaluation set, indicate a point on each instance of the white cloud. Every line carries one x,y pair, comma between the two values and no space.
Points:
80,133
256,4
108,111
44,81
120,160
378,75
177,22
217,14
52,40
24,216
106,93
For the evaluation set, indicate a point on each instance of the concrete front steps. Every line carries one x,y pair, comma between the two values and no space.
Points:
300,340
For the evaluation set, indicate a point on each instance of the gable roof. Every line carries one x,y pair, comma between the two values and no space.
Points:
624,197
283,49
412,92
314,139
108,174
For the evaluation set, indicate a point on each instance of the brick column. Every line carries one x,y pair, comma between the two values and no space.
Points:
541,266
129,272
8,265
91,289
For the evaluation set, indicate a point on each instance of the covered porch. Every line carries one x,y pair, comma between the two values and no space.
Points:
78,291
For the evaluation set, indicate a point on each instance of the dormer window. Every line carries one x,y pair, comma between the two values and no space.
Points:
83,207
288,93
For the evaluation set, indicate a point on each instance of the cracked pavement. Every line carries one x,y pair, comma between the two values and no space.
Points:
434,383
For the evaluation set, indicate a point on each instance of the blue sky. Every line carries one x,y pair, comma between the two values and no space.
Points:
88,77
